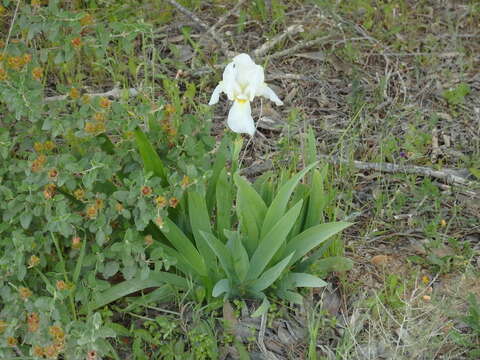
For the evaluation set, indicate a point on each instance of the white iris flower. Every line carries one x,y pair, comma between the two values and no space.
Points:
242,81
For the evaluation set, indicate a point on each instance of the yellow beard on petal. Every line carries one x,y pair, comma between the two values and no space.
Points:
241,101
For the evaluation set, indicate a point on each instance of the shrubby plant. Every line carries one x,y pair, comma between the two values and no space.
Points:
268,249
101,197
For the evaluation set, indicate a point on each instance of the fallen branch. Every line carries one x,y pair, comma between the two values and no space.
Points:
295,49
449,176
202,26
260,341
270,44
114,93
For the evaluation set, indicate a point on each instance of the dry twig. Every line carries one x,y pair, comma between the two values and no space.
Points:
449,176
270,44
202,26
261,344
295,49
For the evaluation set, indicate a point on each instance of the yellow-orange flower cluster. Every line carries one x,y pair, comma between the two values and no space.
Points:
74,93
86,20
24,292
18,62
33,321
49,191
105,103
161,201
38,163
34,261
37,73
79,194
173,202
61,285
3,75
92,212
146,190
53,174
185,182
76,242
76,42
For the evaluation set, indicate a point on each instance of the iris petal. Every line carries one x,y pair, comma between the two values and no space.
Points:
267,92
216,93
240,118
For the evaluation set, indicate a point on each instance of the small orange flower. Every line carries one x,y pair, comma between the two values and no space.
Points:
169,109
92,212
99,128
146,190
49,191
11,341
74,93
33,321
56,332
38,163
173,202
79,194
3,75
76,42
26,59
38,147
159,221
90,127
49,145
92,355
161,201
443,223
86,20
34,261
24,292
50,351
100,117
15,62
37,73
99,204
104,103
38,351
185,182
148,240
76,242
119,207
53,174
61,285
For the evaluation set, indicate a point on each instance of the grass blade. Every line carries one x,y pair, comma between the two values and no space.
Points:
310,238
221,251
271,275
155,279
200,221
224,200
151,160
279,203
272,242
184,246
